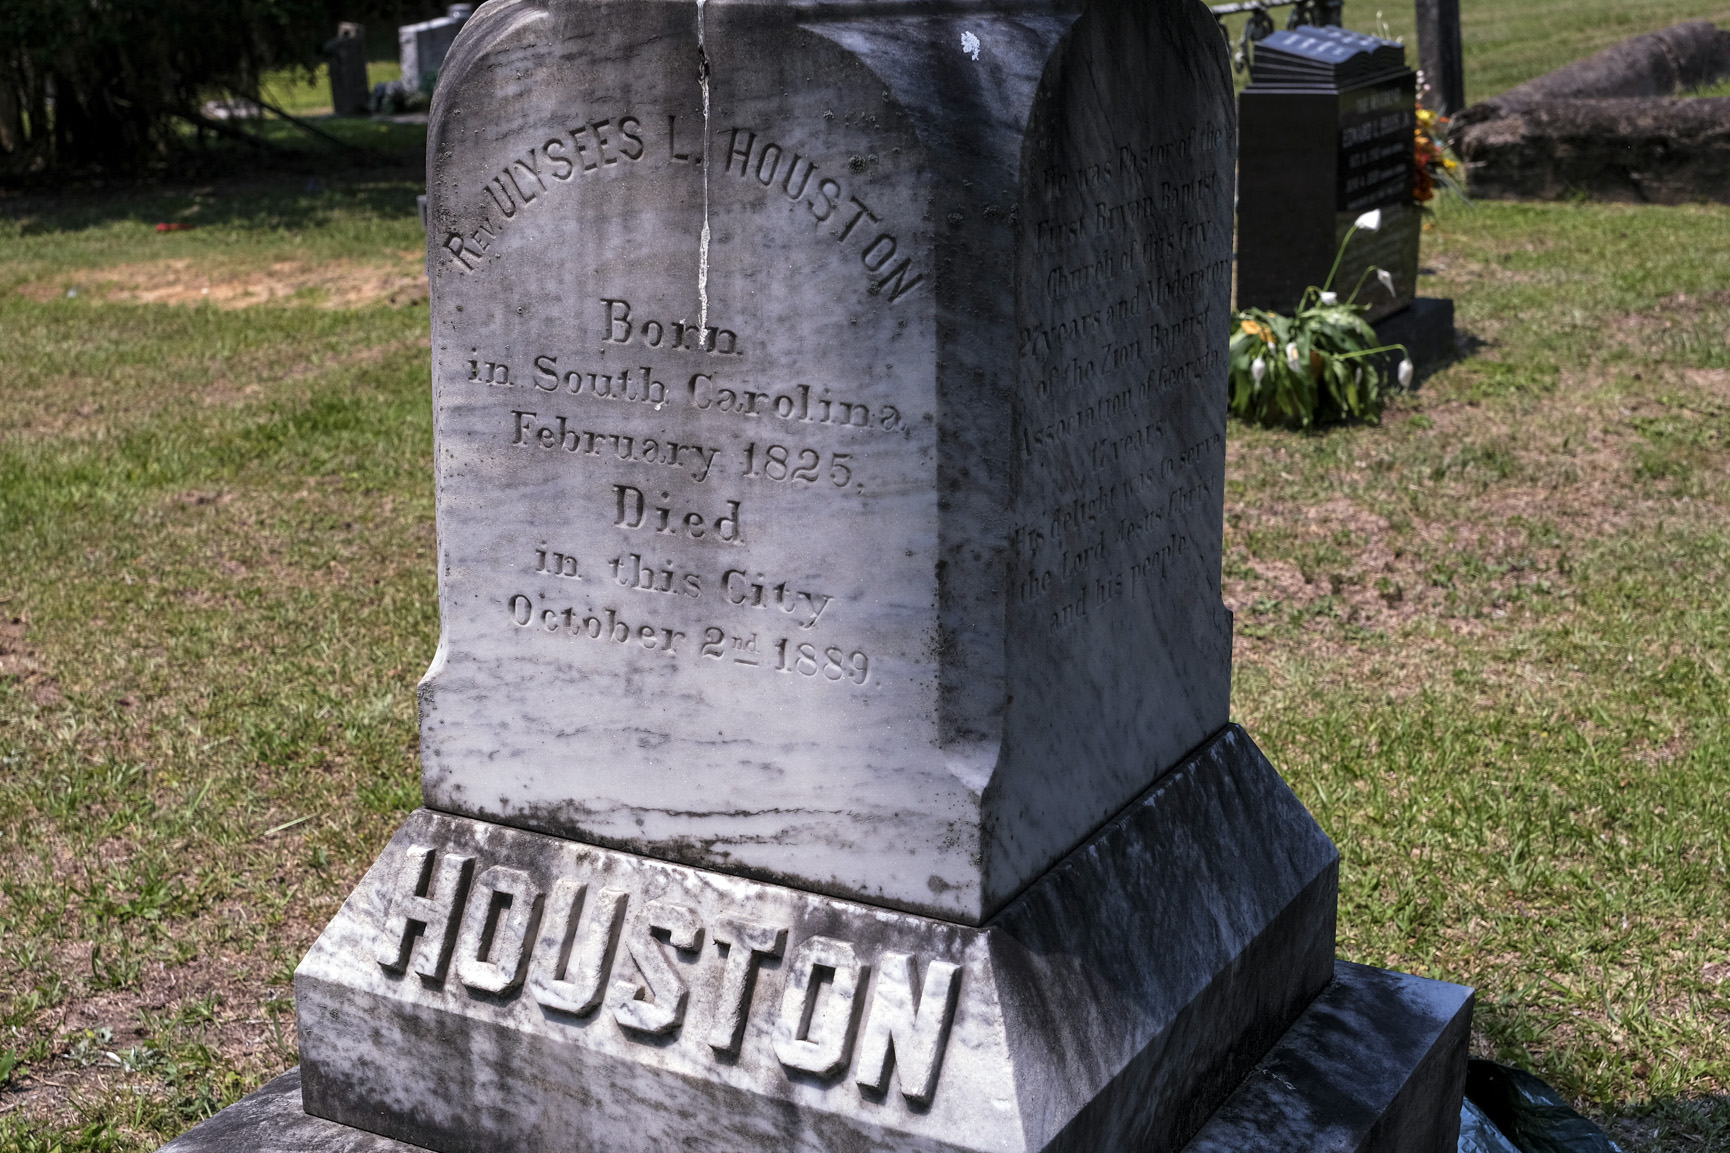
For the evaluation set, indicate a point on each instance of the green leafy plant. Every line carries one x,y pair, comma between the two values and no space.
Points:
1321,365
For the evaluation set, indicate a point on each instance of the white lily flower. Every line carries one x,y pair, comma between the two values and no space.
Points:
1369,221
1406,373
1258,369
1330,298
1387,279
1291,357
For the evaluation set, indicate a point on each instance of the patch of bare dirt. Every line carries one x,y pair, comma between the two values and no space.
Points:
54,413
1475,547
20,661
328,284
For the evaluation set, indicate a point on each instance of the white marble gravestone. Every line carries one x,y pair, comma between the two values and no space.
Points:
422,47
824,494
827,743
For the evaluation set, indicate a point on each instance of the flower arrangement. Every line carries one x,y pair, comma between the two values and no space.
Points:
1318,366
1436,161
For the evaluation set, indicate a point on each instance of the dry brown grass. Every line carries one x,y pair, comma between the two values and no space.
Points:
325,284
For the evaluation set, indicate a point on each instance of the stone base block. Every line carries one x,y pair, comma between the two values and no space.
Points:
1426,328
488,988
1376,1064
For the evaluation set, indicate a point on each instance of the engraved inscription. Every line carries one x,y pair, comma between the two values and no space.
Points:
498,929
795,404
606,625
559,433
585,147
913,1028
424,907
746,944
575,951
560,564
836,209
635,511
1375,149
654,1001
1103,365
819,1007
834,663
658,966
856,227
618,328
801,404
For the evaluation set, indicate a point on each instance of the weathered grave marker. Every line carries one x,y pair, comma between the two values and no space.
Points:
347,52
750,488
827,743
422,47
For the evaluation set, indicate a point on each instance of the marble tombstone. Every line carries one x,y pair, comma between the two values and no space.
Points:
827,744
422,47
822,417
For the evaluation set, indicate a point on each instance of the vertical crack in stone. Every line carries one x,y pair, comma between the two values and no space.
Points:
703,238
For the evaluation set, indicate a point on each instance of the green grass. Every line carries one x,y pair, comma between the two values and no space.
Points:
1508,42
256,220
1487,642
302,93
216,590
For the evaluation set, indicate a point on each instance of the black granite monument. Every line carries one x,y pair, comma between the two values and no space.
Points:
1325,136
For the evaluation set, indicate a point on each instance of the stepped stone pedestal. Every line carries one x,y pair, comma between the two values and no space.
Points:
827,746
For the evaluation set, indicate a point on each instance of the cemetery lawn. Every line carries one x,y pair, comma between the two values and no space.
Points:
1508,42
1488,643
1486,640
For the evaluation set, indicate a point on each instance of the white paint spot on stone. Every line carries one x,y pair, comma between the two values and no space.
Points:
970,44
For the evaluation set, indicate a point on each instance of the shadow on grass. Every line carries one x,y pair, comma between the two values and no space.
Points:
1696,1121
287,180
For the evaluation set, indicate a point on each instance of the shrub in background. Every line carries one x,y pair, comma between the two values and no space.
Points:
101,84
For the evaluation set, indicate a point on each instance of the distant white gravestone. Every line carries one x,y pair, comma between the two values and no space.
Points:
422,47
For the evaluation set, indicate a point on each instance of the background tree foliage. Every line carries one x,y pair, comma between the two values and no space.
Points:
110,84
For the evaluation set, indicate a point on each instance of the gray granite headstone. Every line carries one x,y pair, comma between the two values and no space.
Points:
347,52
1326,124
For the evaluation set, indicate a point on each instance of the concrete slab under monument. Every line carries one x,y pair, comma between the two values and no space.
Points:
827,744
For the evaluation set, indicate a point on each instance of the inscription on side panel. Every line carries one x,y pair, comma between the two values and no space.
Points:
586,952
1119,338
